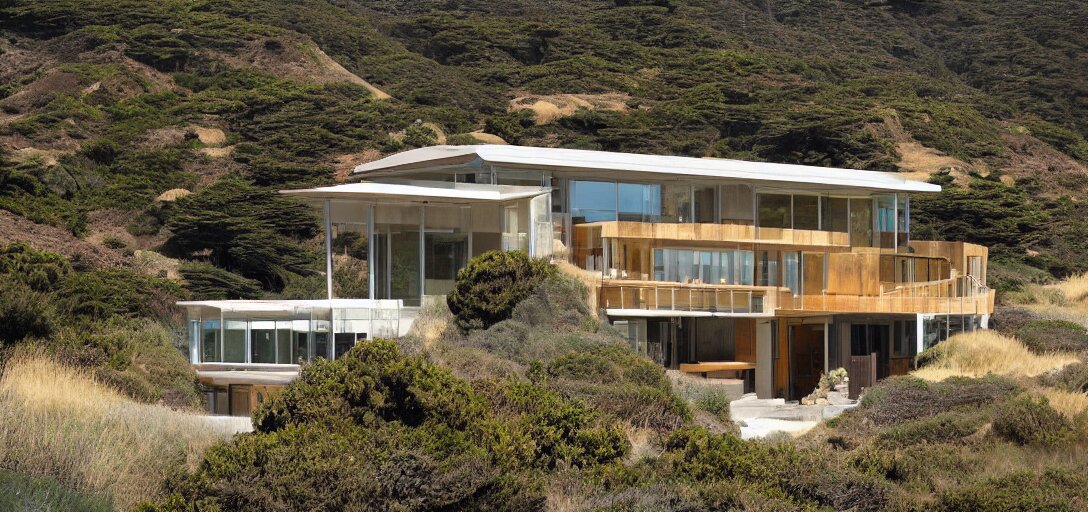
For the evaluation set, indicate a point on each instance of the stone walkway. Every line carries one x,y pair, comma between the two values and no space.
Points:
759,418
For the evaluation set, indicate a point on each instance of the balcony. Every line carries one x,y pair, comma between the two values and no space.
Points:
961,295
716,233
700,298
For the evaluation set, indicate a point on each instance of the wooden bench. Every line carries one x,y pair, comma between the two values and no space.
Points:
744,370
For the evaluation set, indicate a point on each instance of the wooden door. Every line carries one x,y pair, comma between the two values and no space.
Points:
806,359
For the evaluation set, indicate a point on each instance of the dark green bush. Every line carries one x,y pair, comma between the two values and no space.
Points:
1026,420
1044,336
209,282
489,287
1072,377
24,312
899,399
41,270
1053,490
105,293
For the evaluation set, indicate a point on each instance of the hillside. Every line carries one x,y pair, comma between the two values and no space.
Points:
106,105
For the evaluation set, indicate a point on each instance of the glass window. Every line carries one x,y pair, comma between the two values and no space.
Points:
861,222
835,214
705,211
885,220
775,210
350,246
676,203
903,219
639,202
745,262
685,266
806,212
445,247
592,201
397,251
736,207
659,265
790,271
234,341
285,346
521,178
727,263
212,345
768,268
344,341
262,342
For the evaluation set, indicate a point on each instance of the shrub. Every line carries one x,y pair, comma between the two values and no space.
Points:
899,399
489,287
41,270
106,293
1025,420
1045,336
1054,489
1072,378
209,282
24,313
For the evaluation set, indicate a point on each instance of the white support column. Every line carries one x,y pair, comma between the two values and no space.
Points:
919,332
328,249
371,242
422,248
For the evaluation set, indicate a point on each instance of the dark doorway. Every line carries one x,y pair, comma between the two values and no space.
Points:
806,359
868,339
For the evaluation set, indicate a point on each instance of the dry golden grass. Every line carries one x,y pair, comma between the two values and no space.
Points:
1068,403
1075,289
979,353
58,422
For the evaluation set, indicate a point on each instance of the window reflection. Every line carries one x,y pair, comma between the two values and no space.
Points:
708,267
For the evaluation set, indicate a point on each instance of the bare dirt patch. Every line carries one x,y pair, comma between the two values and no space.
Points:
343,165
209,136
487,138
296,58
14,228
550,107
1056,172
40,92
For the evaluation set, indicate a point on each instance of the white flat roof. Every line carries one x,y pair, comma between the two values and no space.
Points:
579,159
419,191
288,306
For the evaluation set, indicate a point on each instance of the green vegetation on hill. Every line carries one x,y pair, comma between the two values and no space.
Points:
115,88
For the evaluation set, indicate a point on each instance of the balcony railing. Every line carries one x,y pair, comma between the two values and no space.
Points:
960,295
663,296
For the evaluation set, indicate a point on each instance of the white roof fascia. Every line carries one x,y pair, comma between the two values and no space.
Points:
290,306
420,191
558,158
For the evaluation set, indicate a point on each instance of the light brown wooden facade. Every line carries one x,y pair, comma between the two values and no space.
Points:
921,278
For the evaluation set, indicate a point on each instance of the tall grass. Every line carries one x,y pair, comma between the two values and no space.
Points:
1074,289
58,422
978,353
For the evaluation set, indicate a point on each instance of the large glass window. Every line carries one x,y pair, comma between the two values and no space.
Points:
445,247
736,207
835,214
262,342
768,268
639,202
885,220
903,219
806,212
775,210
211,345
676,203
397,253
234,341
592,201
791,274
285,348
861,222
711,267
704,206
350,249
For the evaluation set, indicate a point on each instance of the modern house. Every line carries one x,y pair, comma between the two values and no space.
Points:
770,272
